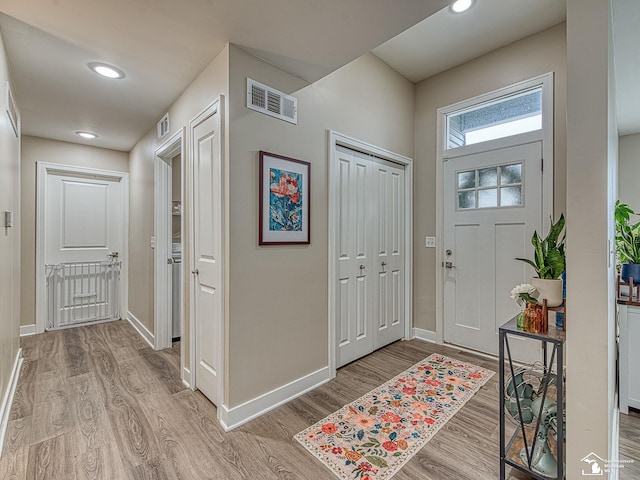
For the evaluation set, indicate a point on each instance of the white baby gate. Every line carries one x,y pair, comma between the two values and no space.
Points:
82,292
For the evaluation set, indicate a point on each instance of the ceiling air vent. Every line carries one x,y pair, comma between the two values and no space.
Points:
270,101
162,128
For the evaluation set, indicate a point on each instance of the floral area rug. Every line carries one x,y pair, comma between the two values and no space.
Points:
373,437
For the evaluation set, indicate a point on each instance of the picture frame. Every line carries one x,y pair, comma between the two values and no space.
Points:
284,192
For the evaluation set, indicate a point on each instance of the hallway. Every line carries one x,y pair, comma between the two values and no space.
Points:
96,402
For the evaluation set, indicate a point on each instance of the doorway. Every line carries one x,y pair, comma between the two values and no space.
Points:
81,238
370,274
494,189
168,234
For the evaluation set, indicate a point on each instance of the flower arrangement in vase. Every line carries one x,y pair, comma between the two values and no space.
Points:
531,319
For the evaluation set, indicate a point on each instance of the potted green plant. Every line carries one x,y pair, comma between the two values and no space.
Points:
627,242
549,263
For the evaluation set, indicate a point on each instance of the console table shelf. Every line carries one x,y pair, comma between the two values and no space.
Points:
517,450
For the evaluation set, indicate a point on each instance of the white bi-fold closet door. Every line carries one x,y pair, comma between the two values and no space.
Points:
370,284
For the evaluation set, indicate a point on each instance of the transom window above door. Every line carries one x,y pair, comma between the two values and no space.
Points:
506,116
490,187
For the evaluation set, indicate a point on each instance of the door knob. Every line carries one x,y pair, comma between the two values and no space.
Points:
361,267
195,272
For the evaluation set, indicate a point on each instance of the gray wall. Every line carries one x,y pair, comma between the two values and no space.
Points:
535,55
277,308
629,170
205,89
35,149
9,237
591,191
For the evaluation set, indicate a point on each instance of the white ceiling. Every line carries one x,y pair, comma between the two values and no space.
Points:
445,40
162,45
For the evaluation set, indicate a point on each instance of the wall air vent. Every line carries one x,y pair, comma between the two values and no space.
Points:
270,101
162,128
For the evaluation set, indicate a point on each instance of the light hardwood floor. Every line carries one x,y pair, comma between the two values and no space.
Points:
96,403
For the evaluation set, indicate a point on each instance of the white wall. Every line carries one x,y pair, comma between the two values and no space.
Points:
35,149
277,307
205,89
9,237
591,191
629,170
535,55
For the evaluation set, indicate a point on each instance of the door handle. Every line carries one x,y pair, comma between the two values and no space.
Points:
449,265
361,267
195,272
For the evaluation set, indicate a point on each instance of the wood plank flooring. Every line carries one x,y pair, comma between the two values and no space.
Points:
96,402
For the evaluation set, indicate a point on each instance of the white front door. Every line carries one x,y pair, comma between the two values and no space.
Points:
370,306
493,204
206,152
83,236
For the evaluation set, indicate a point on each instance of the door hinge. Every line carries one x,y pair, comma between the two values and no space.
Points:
542,165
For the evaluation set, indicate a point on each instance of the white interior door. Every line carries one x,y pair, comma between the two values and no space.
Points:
389,241
83,217
207,243
493,204
353,289
370,306
83,235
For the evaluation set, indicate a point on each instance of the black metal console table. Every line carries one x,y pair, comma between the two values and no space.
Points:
535,419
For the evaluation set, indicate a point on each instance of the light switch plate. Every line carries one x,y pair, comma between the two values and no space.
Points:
430,242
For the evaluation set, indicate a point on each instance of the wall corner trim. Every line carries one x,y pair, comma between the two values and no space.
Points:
424,335
231,418
7,401
141,329
27,330
186,377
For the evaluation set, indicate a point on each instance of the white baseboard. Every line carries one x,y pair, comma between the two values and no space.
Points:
141,329
236,416
26,330
425,335
7,401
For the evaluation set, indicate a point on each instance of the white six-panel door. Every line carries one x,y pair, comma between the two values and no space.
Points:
207,254
492,206
370,284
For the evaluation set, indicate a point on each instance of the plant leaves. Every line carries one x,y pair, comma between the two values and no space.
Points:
360,434
377,461
392,436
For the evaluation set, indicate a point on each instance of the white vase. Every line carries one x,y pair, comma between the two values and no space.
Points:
549,289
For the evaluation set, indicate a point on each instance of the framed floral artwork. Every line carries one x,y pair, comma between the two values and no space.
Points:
284,200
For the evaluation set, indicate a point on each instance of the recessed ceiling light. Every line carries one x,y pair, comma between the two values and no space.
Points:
459,6
106,70
88,135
